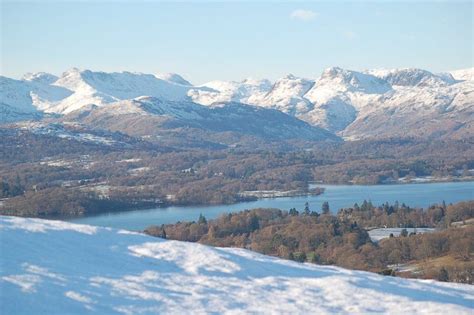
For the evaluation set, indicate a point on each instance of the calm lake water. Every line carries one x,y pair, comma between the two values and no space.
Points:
338,196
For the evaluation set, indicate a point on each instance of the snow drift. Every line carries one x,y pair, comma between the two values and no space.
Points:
54,267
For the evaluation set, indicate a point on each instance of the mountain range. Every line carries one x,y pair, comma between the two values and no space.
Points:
350,104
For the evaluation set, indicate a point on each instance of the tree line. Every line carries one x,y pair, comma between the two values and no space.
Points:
323,238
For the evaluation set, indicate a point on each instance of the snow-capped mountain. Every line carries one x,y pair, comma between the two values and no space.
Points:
287,94
412,77
41,77
145,116
100,88
247,91
29,97
173,77
54,267
372,103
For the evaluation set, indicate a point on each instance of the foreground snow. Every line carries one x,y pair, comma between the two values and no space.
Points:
54,267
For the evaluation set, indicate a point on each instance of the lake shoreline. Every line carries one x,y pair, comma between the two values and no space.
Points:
338,196
416,180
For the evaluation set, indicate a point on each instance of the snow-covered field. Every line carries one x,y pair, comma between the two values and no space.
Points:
53,267
378,234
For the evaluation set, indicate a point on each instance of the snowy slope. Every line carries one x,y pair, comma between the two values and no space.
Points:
27,98
40,77
145,116
101,88
374,103
53,267
463,74
248,91
411,77
286,95
173,77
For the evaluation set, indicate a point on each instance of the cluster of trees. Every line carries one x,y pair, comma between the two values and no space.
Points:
453,248
11,190
401,215
54,202
332,239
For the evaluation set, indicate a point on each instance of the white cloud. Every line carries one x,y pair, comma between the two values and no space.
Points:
349,35
303,15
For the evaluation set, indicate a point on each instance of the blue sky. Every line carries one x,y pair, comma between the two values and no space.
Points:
231,41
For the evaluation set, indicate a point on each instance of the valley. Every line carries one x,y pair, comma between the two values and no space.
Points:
63,170
236,157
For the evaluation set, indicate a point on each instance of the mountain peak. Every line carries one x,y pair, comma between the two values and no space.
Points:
463,74
289,76
332,71
40,77
173,77
410,77
253,81
349,80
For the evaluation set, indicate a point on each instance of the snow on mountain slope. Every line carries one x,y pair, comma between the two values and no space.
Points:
230,91
286,95
27,98
338,94
428,111
11,114
16,94
173,77
463,74
374,103
62,131
411,77
41,77
100,88
397,102
351,81
146,116
54,267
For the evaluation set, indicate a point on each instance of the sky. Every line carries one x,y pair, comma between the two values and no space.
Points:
224,40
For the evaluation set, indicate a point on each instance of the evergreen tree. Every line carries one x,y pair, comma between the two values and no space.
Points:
365,206
443,275
306,208
254,224
202,219
163,232
370,205
325,207
404,233
354,225
293,212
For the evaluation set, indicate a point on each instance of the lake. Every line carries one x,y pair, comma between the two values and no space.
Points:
338,196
